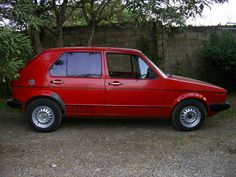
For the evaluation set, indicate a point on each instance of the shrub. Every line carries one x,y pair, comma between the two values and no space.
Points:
220,53
14,48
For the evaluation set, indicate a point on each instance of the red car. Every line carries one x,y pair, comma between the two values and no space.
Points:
109,82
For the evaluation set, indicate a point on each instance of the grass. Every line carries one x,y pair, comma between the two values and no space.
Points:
226,114
2,105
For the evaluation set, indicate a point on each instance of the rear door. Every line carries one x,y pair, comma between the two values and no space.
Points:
77,77
133,88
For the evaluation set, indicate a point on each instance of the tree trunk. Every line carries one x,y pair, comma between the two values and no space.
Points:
90,36
154,37
36,41
59,42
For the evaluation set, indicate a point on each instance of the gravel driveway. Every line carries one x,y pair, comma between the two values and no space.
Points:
117,147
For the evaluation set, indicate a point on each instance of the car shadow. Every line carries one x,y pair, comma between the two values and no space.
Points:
116,122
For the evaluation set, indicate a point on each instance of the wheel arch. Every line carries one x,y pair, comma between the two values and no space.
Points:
53,97
192,96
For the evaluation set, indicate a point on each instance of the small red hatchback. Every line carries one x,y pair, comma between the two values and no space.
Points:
109,82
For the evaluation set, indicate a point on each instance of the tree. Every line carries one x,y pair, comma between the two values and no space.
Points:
169,12
14,49
22,16
162,12
36,16
62,12
96,12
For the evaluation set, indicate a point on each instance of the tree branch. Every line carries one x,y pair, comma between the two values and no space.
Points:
85,13
72,11
51,30
101,8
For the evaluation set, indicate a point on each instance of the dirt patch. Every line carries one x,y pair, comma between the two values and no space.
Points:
7,150
115,147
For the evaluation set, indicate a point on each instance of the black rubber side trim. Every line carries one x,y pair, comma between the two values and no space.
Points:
220,106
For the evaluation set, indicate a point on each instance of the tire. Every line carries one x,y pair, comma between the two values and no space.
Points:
44,115
188,115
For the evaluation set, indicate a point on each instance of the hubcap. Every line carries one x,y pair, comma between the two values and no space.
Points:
190,116
43,116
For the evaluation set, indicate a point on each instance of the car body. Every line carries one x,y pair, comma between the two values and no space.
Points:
109,82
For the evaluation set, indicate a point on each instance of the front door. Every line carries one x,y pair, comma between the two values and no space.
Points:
77,78
132,87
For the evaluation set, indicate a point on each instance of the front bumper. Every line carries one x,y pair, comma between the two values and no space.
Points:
219,107
14,103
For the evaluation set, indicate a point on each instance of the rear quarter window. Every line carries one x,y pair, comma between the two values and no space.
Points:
77,64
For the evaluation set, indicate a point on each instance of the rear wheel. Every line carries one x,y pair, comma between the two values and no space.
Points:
189,115
44,115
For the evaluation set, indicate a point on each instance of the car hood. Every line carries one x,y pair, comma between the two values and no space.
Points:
184,83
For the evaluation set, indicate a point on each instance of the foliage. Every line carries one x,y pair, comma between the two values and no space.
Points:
220,52
171,12
21,14
49,17
1,105
36,16
14,48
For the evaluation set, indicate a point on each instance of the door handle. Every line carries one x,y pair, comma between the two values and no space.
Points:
115,83
57,81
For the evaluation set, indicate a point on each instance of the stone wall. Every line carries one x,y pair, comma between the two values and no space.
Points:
176,51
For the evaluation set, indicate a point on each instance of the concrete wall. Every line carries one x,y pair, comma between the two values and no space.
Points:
176,51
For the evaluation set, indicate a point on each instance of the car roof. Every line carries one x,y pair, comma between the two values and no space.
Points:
93,49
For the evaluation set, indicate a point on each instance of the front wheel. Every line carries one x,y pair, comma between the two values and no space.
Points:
44,115
188,115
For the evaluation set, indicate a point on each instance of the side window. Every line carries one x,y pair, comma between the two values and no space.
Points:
128,66
145,71
78,64
122,65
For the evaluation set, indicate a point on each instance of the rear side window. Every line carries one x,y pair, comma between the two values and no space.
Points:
78,64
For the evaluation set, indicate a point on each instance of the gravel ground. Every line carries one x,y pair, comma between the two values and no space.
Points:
117,147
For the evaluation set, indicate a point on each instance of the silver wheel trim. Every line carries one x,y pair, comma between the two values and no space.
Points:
190,116
43,116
